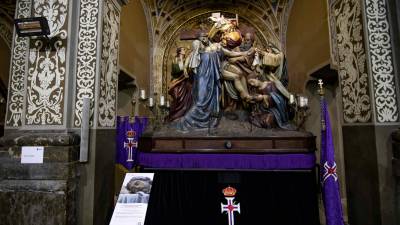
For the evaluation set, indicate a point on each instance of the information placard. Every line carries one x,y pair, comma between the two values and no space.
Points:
133,199
32,154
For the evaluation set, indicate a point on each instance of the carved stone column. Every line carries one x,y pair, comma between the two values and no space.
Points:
362,51
48,81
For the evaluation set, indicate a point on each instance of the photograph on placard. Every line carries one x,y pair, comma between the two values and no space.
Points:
136,188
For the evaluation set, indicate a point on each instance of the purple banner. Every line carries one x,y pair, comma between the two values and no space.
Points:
329,177
127,137
228,161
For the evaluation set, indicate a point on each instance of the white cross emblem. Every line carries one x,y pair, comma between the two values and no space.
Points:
129,147
230,208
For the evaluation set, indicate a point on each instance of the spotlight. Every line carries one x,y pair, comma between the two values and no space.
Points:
35,26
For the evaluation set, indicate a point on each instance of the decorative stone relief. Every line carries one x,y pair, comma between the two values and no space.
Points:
165,18
334,61
352,64
47,66
16,92
86,57
109,66
381,61
6,33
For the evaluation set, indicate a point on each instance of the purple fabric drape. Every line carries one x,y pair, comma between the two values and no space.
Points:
329,178
127,139
228,161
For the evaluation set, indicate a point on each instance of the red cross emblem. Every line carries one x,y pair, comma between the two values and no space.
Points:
330,171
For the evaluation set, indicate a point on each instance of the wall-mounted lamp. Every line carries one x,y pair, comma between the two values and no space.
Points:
35,26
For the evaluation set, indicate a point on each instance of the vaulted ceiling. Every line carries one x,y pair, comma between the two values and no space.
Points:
8,6
7,10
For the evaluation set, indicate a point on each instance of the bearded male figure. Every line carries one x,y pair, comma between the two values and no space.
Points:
227,33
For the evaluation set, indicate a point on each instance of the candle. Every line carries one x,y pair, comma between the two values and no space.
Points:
291,99
305,101
151,102
301,101
162,100
142,94
168,105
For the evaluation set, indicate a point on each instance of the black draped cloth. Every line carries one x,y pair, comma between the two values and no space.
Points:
195,197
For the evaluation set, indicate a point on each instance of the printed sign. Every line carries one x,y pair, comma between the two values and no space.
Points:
133,199
32,154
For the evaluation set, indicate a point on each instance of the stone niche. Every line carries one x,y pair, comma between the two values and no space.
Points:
184,36
166,20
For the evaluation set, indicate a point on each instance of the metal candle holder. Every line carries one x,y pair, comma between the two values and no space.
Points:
300,104
158,107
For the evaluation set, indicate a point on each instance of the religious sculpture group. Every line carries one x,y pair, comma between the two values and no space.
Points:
225,75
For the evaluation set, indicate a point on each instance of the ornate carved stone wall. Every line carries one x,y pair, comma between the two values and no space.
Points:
107,104
80,60
361,50
165,18
47,67
87,62
16,89
350,56
381,61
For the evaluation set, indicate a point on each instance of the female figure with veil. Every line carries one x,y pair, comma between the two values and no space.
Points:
204,61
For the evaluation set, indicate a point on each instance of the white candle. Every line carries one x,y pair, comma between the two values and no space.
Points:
291,99
162,100
301,101
305,101
168,105
142,94
151,102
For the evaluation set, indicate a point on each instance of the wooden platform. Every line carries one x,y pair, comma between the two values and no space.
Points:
279,142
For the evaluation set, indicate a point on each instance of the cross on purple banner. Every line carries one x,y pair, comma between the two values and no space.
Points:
131,144
128,134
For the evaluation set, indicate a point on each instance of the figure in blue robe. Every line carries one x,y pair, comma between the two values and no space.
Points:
206,93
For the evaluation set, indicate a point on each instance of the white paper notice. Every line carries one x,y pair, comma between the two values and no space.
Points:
133,199
129,214
32,154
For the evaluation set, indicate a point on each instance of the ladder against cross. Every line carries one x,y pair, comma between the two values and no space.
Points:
132,143
230,208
